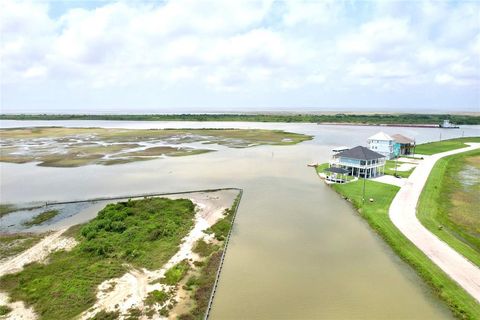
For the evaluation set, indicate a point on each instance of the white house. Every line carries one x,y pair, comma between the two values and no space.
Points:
383,144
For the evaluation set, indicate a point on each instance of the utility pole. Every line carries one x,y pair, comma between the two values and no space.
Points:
363,196
396,162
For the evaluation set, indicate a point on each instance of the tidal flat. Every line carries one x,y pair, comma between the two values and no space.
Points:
74,147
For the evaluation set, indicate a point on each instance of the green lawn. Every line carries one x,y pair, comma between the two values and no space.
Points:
376,213
449,208
141,233
445,145
390,169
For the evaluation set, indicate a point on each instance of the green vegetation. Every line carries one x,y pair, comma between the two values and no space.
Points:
223,226
321,167
106,315
201,284
6,209
13,244
376,213
339,117
202,287
449,203
444,145
69,147
204,249
141,233
176,273
390,169
41,218
157,296
4,310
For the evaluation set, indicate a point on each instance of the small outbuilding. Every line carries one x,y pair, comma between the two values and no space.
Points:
403,145
336,174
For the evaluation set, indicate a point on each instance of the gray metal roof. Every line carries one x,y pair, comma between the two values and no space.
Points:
360,153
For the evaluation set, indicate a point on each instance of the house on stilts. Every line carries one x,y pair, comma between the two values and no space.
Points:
359,162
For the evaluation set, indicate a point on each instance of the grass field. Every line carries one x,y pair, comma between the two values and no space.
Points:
390,169
444,145
449,203
140,233
460,302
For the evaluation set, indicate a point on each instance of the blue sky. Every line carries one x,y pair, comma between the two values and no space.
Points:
194,56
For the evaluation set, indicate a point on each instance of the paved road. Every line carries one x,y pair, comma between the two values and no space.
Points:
403,214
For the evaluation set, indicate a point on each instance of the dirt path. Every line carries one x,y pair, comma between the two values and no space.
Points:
38,252
403,214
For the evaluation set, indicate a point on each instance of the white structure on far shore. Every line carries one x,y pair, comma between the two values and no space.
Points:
383,144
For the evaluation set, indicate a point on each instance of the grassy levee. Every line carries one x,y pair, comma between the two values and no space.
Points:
449,209
141,233
462,305
444,145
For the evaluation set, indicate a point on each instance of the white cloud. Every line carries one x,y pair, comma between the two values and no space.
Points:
241,46
378,38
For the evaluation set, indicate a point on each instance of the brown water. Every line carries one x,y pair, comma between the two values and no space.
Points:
298,250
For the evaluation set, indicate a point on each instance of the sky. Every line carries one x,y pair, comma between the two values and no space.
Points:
214,56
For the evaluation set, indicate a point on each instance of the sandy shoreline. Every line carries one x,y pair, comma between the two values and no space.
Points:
130,290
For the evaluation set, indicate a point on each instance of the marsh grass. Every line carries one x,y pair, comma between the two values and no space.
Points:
202,286
204,249
121,143
41,218
6,209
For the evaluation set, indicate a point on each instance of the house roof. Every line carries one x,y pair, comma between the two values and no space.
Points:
360,153
402,139
380,136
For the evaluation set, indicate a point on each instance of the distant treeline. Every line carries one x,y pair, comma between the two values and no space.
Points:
315,118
